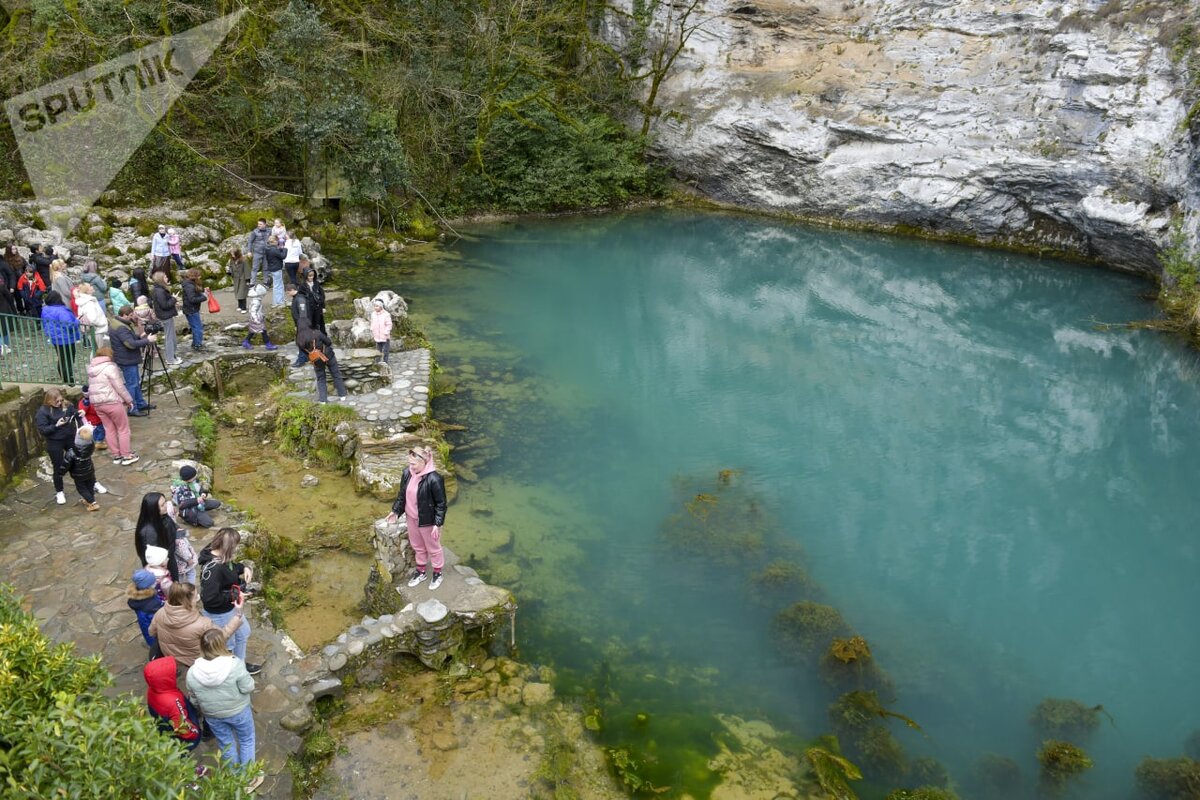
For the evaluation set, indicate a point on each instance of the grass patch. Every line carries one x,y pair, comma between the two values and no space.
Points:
205,429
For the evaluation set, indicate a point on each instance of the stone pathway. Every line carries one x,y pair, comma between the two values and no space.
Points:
72,567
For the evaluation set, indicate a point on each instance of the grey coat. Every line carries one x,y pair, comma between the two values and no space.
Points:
240,271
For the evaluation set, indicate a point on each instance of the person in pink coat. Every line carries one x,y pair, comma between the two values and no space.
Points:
112,401
381,329
175,247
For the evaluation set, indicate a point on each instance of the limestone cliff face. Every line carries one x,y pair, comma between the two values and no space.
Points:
1050,124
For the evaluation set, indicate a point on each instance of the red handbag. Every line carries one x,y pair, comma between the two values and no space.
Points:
213,306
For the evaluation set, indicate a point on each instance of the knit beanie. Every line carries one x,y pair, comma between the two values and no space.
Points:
83,435
144,578
156,556
187,472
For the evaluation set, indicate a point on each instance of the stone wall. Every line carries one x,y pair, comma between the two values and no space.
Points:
19,439
1056,125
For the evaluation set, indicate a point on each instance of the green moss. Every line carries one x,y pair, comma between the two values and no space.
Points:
1060,762
1168,778
808,626
831,770
205,429
923,793
783,574
1056,718
306,428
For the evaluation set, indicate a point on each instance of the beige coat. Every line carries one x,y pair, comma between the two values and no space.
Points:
179,628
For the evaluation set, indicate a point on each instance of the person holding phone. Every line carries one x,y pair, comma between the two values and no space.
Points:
222,581
57,422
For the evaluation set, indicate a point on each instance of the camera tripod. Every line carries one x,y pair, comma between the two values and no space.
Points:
148,370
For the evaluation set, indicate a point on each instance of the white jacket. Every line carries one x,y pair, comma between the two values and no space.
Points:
91,314
106,386
294,251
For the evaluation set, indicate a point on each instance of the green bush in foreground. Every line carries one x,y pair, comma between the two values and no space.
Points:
59,737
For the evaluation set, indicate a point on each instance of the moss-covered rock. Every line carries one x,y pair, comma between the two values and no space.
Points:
1056,718
1060,762
809,627
1169,778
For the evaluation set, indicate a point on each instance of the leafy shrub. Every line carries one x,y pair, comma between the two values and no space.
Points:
545,163
60,737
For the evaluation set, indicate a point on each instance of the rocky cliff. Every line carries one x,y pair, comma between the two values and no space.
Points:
1055,125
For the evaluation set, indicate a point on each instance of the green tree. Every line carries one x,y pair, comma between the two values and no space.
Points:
60,737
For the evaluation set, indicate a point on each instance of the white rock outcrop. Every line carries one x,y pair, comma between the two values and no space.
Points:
1057,125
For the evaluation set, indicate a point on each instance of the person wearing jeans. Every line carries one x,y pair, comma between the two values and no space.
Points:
129,348
219,574
222,686
256,245
193,299
165,310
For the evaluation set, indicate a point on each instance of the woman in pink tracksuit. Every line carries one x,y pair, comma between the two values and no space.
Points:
422,501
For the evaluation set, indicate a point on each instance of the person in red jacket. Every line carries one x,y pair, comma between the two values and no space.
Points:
93,419
174,713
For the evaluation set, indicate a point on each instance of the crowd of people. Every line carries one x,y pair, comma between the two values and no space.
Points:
72,305
189,607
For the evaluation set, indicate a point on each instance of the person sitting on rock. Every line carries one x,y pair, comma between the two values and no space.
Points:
192,499
422,501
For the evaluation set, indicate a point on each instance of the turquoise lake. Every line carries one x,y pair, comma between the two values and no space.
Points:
998,496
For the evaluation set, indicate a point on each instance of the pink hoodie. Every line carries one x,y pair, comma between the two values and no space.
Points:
410,491
381,325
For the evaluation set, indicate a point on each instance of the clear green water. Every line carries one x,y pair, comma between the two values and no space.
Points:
998,497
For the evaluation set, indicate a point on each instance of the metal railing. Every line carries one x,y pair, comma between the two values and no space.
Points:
33,351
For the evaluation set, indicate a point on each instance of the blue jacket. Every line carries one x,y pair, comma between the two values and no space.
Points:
60,325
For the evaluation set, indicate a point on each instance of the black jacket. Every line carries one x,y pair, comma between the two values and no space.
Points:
163,302
46,419
304,314
193,298
126,346
77,460
8,285
41,263
316,296
274,257
147,536
431,499
307,338
216,581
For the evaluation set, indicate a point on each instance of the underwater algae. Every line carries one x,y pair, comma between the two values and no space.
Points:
1060,762
1056,718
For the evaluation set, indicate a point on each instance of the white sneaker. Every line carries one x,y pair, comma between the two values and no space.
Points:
436,582
417,577
61,499
175,362
99,487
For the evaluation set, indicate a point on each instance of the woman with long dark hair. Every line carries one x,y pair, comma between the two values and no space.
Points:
155,527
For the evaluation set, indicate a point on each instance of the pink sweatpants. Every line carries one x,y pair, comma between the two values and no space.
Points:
116,428
426,545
